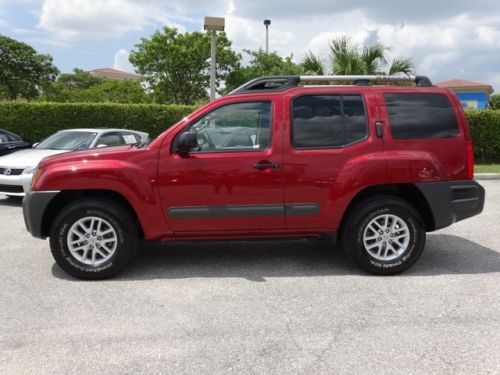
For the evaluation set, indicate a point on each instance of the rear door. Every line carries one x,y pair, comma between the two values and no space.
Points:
233,181
330,150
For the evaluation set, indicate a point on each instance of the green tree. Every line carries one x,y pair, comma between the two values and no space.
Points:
82,87
262,64
24,73
351,58
176,65
495,101
313,64
79,79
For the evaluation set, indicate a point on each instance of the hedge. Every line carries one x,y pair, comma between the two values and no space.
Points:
35,121
485,131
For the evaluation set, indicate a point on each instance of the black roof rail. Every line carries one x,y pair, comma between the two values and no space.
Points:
274,83
277,83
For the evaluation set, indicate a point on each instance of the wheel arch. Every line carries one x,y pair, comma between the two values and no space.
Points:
65,197
408,192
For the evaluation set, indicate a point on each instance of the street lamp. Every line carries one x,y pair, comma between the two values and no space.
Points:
267,23
214,24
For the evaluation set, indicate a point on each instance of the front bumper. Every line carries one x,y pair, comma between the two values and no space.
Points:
452,201
35,204
15,186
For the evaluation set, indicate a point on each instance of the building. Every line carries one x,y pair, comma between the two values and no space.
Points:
472,95
116,74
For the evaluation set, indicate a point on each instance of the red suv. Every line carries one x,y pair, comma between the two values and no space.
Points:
372,167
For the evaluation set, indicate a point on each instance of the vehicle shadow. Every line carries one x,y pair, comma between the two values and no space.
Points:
258,260
11,201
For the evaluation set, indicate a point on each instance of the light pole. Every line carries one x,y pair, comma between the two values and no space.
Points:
214,24
267,23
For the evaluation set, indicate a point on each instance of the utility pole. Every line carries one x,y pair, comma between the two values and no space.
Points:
214,24
267,23
213,53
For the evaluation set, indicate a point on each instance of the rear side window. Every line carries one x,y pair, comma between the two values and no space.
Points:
328,121
420,116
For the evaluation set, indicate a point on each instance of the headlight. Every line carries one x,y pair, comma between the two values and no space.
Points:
36,174
29,170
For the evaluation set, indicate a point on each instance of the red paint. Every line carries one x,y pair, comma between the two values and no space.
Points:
156,178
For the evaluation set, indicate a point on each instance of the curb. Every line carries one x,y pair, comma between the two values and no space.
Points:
487,176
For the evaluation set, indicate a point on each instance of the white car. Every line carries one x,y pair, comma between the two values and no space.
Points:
16,169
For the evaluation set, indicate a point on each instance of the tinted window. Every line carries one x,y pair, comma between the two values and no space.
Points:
240,126
325,121
415,116
9,137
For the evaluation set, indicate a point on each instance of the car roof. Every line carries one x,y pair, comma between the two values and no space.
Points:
102,130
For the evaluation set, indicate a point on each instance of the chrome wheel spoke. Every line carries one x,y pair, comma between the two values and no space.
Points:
386,237
92,240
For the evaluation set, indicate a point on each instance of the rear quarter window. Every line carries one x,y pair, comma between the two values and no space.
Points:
421,116
328,121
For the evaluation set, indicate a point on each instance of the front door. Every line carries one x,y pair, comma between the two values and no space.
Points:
233,179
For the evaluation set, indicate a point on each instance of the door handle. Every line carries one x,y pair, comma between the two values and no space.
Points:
266,166
11,147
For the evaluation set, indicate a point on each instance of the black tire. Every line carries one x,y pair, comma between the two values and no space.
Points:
355,228
118,218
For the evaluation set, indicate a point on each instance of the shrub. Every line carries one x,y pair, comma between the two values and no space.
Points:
485,131
36,121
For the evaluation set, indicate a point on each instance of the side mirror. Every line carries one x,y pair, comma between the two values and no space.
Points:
35,144
187,141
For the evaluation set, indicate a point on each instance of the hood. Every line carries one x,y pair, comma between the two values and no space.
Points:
91,154
27,158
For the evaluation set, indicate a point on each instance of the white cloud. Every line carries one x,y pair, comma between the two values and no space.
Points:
121,61
89,19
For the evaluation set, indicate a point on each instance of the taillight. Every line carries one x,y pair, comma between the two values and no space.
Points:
470,159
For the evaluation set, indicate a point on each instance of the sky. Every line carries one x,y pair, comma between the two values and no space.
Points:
445,38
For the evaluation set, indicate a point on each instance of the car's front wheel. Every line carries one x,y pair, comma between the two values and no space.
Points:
384,235
93,238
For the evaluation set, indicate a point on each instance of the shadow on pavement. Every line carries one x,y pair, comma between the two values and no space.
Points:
11,201
256,260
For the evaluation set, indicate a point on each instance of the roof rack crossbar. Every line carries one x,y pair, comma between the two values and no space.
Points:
282,82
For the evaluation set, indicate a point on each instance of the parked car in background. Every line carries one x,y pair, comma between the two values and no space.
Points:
16,170
10,142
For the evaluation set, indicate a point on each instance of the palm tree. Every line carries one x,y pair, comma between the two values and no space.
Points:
313,64
349,58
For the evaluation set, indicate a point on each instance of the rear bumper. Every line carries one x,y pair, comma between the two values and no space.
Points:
34,205
452,201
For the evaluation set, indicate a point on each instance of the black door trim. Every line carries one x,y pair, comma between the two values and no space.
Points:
243,210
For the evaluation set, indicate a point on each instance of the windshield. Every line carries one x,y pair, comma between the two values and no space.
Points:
68,141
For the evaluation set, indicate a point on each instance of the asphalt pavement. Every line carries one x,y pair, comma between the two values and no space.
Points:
273,307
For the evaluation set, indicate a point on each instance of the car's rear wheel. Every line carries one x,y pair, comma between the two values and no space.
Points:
384,235
93,238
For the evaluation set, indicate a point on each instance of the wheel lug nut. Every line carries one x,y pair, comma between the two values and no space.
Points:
381,232
93,233
86,242
387,231
87,235
98,238
379,239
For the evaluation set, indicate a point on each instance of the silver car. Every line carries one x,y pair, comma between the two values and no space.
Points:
16,169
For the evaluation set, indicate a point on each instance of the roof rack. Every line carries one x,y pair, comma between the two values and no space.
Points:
278,83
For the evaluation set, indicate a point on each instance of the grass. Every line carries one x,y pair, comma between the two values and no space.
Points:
487,168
